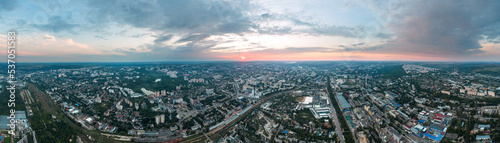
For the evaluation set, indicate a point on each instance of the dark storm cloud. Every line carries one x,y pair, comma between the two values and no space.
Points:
448,28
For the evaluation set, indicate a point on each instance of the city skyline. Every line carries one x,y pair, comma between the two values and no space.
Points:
199,30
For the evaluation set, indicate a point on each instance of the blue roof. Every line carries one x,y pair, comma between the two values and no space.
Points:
482,136
285,131
421,121
438,138
343,102
486,126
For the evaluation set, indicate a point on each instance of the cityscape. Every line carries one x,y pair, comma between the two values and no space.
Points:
256,102
257,71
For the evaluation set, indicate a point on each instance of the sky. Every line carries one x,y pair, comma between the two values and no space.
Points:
252,30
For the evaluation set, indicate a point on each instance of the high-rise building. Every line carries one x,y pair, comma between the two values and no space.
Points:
97,100
119,106
162,118
157,119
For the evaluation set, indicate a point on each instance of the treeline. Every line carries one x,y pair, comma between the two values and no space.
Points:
392,71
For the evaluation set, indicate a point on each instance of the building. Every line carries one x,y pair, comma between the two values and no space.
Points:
451,136
343,102
491,93
417,130
158,119
482,137
162,118
407,127
437,127
163,92
97,100
395,134
119,106
321,112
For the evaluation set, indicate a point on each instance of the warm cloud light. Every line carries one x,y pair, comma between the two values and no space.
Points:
263,30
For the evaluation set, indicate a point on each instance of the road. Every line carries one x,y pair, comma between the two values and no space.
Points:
338,128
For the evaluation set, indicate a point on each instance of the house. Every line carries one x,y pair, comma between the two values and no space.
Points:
451,136
482,137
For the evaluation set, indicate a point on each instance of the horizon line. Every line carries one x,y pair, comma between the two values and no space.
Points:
255,61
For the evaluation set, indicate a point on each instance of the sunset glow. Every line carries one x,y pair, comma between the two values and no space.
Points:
263,30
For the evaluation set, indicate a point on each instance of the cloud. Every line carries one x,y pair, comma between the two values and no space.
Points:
141,35
360,47
182,29
443,28
160,52
56,24
344,31
7,5
281,24
50,46
175,16
163,38
193,38
276,30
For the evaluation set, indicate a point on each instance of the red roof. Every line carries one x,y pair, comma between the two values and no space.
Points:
439,115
